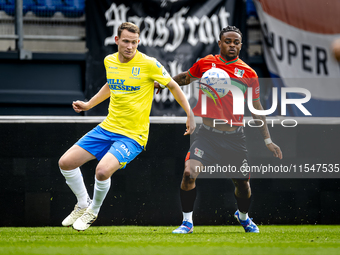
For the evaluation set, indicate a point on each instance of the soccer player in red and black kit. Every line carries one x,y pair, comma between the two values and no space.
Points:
225,142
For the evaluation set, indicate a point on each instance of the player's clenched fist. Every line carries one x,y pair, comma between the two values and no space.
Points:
79,106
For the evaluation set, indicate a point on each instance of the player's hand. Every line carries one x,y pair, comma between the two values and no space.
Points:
275,149
157,86
191,124
79,106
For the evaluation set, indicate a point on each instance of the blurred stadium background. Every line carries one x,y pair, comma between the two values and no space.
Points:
52,51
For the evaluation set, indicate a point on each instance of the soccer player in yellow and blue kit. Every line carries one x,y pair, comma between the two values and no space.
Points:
124,133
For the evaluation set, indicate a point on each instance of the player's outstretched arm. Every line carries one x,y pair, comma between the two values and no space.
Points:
265,132
181,79
102,94
182,100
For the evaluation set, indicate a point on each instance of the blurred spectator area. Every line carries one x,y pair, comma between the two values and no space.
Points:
253,30
255,51
53,75
48,25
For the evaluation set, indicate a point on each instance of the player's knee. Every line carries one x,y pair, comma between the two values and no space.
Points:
101,176
187,173
102,173
64,164
242,184
188,178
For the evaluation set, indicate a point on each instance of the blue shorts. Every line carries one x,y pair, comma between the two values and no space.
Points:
100,141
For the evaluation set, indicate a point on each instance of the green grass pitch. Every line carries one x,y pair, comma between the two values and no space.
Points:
301,239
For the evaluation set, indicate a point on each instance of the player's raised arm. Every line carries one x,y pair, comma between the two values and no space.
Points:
102,94
265,132
182,100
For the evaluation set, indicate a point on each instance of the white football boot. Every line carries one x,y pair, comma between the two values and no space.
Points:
85,221
75,214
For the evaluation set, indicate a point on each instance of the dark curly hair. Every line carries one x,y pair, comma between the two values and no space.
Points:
230,29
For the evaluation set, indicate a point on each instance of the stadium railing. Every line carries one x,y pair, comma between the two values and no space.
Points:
43,20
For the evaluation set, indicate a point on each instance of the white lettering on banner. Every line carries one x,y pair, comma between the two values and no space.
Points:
149,30
162,31
205,31
291,52
313,59
192,22
120,16
224,17
215,25
155,32
177,23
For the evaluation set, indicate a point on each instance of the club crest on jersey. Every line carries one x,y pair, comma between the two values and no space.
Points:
238,72
135,71
198,152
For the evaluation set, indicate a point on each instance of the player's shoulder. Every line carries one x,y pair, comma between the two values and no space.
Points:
111,57
249,72
207,61
209,57
142,57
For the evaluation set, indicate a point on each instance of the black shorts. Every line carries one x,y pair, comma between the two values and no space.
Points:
223,150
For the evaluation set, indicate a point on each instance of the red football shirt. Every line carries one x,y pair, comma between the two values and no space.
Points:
241,75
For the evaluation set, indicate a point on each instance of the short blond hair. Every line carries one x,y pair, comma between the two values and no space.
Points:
129,27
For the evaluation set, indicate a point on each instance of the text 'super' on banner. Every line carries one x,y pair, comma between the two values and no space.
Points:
297,36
